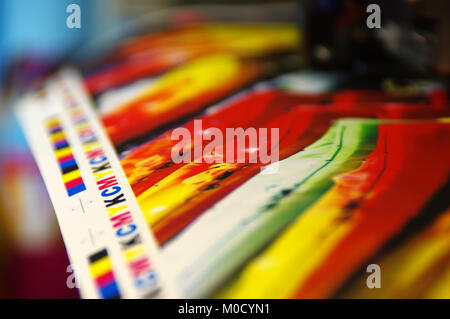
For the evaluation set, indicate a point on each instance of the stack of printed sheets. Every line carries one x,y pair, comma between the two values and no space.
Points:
328,189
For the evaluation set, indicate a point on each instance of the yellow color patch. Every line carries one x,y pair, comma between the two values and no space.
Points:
71,176
100,267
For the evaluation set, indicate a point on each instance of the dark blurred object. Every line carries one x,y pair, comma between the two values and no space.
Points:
413,35
437,12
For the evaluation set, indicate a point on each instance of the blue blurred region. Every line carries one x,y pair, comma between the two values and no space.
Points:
35,32
40,25
38,28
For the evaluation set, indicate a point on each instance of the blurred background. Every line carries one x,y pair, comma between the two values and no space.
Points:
413,43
